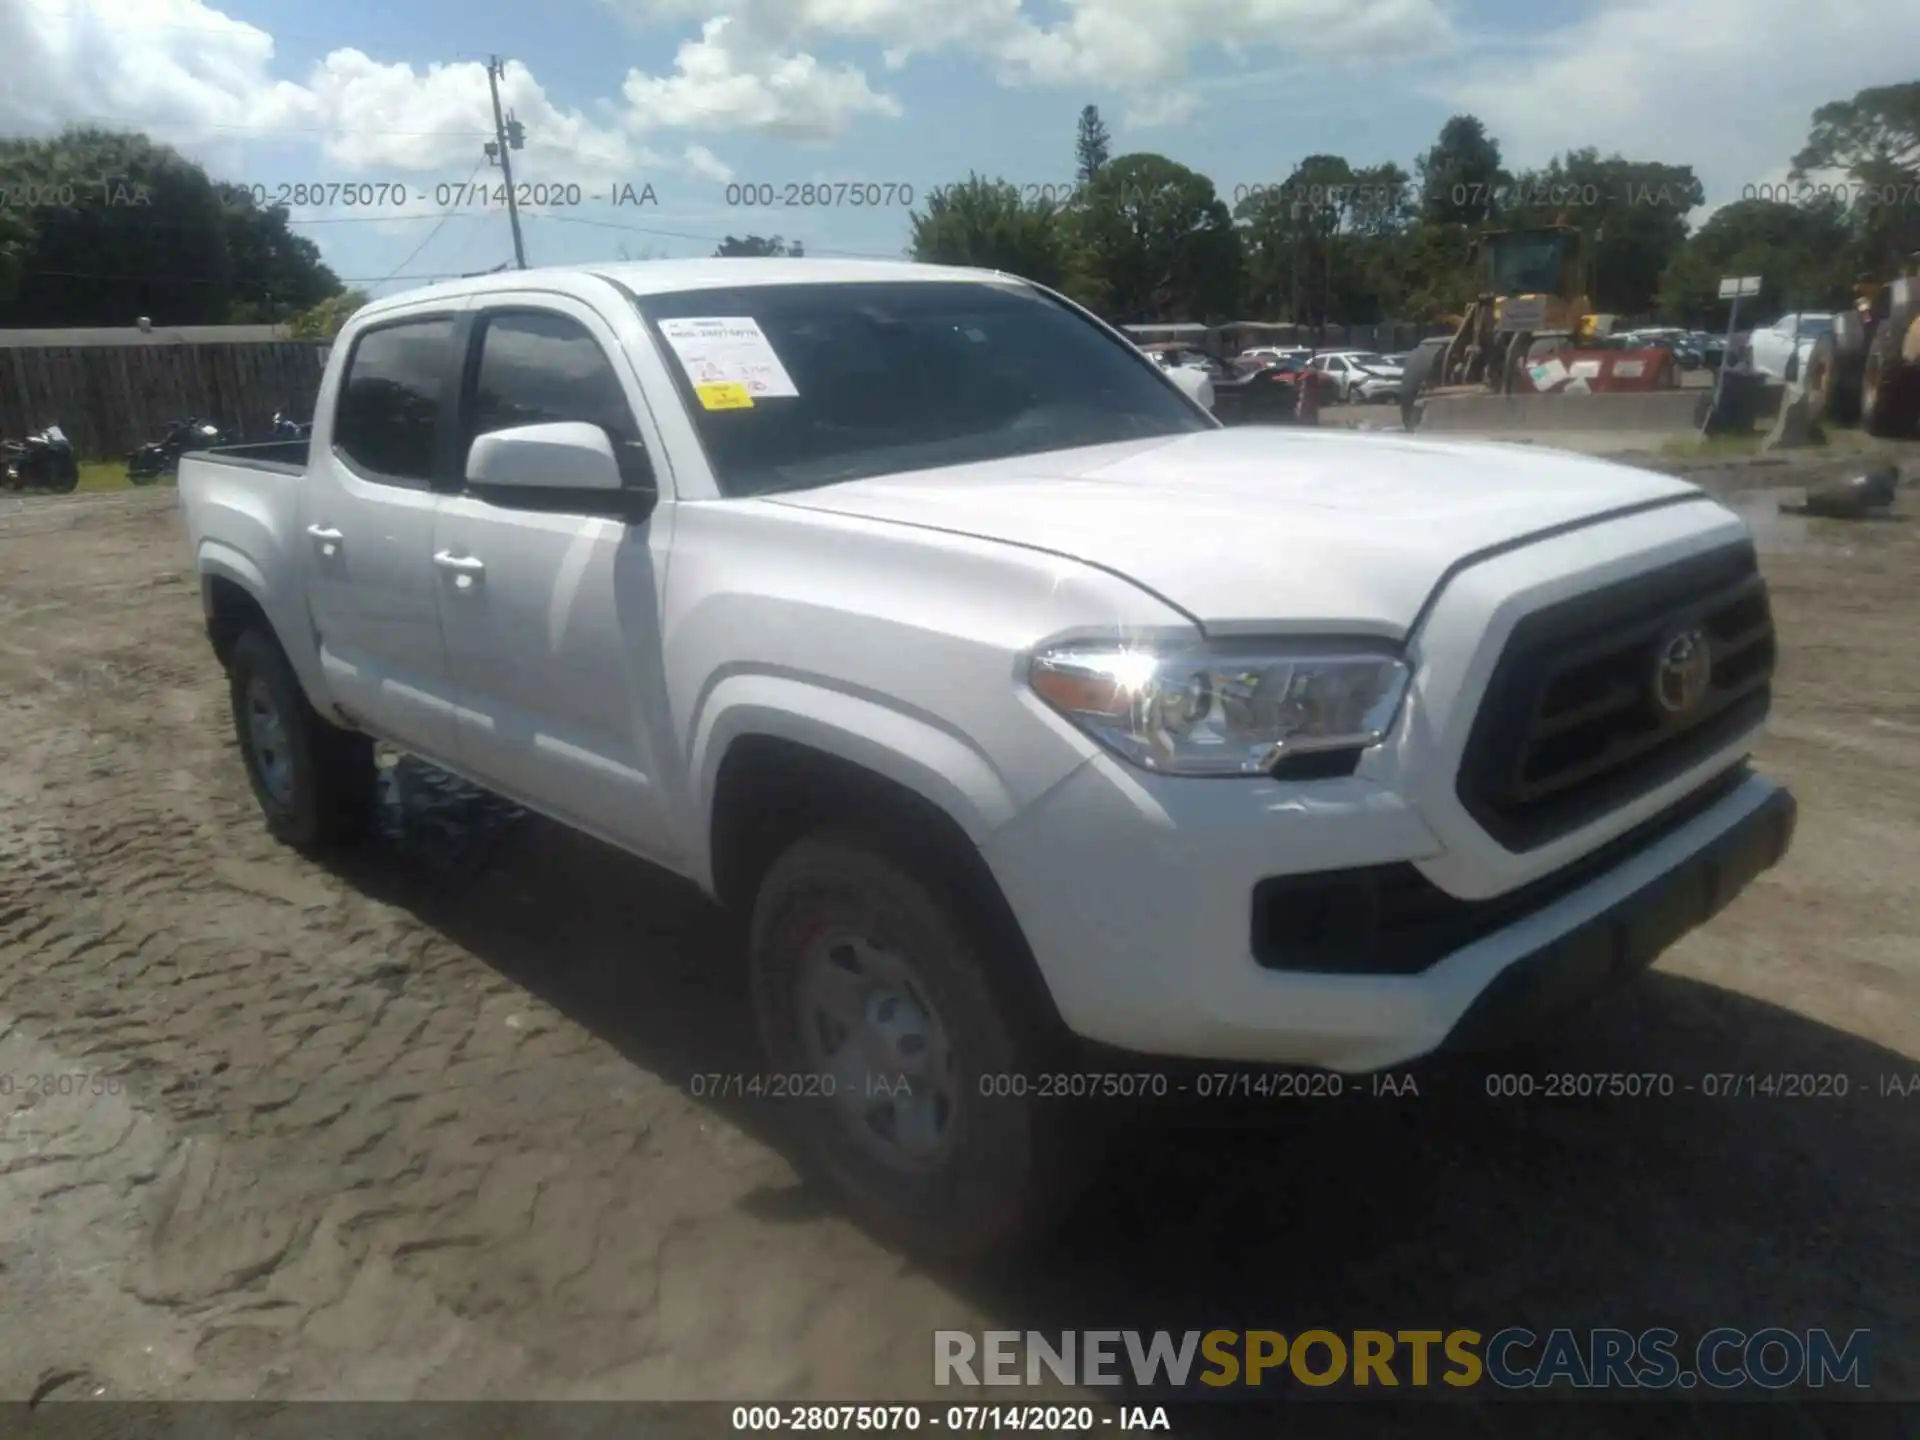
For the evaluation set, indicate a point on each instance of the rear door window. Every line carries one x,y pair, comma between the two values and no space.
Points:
391,399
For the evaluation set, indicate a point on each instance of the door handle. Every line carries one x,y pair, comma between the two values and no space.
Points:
322,532
459,564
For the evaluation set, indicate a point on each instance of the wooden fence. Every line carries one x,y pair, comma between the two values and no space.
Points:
111,399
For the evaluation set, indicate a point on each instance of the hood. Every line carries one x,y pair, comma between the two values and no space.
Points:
1263,526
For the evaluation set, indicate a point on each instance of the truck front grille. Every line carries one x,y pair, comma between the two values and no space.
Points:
1574,724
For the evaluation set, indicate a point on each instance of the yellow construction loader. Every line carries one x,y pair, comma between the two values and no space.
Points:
1532,329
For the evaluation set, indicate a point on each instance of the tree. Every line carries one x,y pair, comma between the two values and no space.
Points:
276,273
987,224
118,226
1161,241
1093,146
1800,253
1876,127
1874,140
1323,245
324,320
14,239
754,247
1461,176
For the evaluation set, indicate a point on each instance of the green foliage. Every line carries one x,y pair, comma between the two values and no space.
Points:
987,224
1874,141
755,247
324,320
1461,176
120,226
1161,240
1092,146
1799,251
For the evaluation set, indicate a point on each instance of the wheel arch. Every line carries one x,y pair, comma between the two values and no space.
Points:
771,773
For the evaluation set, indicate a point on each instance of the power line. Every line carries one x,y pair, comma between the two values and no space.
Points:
430,234
701,239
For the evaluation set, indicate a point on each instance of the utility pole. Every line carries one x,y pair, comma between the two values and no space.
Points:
508,135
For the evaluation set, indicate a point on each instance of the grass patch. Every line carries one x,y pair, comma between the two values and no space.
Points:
101,476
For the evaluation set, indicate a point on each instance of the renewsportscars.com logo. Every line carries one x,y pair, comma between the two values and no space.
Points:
1515,1358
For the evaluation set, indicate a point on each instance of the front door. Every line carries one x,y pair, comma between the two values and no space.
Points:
367,508
552,619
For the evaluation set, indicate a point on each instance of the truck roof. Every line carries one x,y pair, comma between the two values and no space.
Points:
655,277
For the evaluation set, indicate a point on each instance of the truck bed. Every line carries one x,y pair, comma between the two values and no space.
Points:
286,456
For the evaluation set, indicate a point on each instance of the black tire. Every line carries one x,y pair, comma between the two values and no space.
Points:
66,476
327,795
1822,375
1012,1166
1890,390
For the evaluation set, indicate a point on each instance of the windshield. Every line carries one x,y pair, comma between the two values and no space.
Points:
1379,362
1525,264
898,376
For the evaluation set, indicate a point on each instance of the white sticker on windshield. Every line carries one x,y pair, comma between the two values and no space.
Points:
728,350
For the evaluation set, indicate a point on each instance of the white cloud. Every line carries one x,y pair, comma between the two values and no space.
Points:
1728,86
736,78
702,161
1129,45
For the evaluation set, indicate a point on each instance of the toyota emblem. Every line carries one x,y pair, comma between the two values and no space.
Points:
1683,672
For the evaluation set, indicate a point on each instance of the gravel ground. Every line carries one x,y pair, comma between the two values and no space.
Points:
426,1124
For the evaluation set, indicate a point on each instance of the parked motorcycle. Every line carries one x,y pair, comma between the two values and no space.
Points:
162,457
285,427
43,461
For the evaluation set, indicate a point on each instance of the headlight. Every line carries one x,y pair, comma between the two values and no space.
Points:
1221,712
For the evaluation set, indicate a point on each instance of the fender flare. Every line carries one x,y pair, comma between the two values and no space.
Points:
217,558
915,751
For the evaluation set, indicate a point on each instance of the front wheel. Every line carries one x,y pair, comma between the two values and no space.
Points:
313,780
922,1107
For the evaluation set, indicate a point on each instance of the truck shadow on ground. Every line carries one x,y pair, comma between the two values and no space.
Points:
1438,1206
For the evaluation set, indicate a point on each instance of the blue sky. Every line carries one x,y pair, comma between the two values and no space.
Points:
680,95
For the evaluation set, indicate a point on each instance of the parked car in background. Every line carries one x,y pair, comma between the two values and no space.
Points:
1685,354
1360,376
1267,355
1712,348
1782,348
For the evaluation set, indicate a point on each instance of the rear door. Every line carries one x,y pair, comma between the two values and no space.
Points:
552,618
367,509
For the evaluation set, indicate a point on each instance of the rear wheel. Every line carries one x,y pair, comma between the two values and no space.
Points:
313,780
917,1065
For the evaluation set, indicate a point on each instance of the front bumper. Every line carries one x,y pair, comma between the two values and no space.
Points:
1134,893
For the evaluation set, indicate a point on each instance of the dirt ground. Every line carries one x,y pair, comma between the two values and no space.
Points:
425,1125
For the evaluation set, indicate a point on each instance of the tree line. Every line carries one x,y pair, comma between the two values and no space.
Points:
1143,238
101,227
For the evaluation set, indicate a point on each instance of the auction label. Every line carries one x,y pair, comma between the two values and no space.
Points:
728,350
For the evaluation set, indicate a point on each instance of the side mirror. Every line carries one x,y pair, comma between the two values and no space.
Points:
565,466
1194,384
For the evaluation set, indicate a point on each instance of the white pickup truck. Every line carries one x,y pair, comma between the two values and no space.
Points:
1037,722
